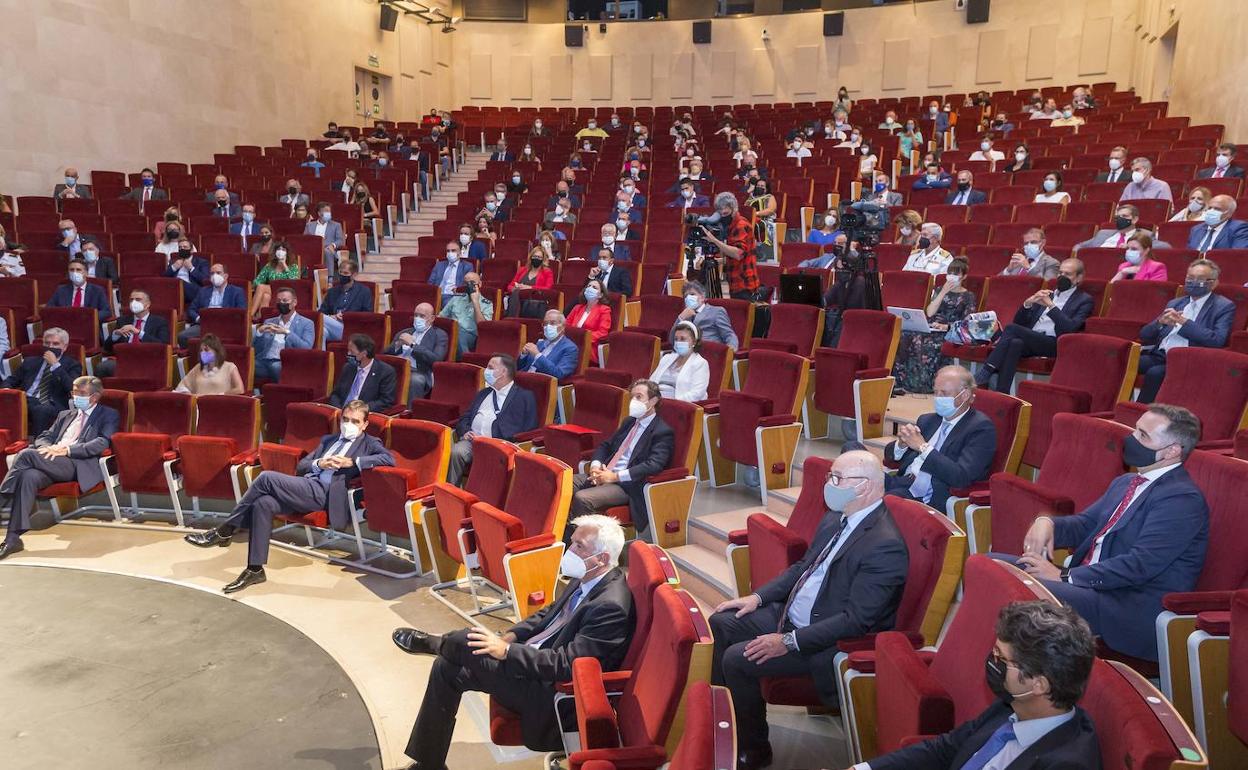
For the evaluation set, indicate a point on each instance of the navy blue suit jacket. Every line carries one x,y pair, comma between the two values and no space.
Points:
975,197
94,296
198,275
1210,329
462,267
1156,548
355,298
1234,235
1065,319
232,297
517,414
964,458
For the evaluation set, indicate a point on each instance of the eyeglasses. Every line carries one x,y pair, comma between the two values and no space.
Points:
837,479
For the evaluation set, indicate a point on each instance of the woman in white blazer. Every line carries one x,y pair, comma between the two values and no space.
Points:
683,374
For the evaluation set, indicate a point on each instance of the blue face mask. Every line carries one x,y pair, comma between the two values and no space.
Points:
220,185
248,216
70,181
490,377
591,294
945,406
691,301
1134,256
681,348
148,182
82,403
550,331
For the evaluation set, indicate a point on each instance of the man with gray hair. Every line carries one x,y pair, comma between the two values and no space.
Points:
47,380
712,321
928,255
554,353
1143,185
740,263
423,344
593,617
1220,229
68,451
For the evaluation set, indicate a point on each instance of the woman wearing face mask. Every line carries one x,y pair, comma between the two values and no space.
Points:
1051,189
173,218
867,162
283,265
350,180
1194,211
262,245
576,161
592,314
214,375
534,274
908,223
1021,161
918,354
516,185
843,101
910,139
172,233
827,230
366,201
683,374
301,213
1140,265
764,205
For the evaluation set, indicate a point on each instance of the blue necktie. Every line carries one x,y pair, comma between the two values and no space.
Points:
354,393
1003,735
325,475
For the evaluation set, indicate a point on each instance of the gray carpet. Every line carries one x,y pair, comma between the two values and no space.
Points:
107,671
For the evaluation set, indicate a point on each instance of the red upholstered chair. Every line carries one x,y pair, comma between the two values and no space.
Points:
82,324
144,366
923,693
454,387
1085,454
794,329
598,410
545,390
210,462
307,375
444,513
1216,652
1212,383
854,380
1003,294
406,295
64,495
1091,373
160,419
230,324
1142,729
1012,418
494,337
758,425
658,313
905,288
13,421
1129,305
741,316
633,356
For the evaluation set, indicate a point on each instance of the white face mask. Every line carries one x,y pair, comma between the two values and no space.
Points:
464,238
136,306
1114,164
1020,155
218,280
572,566
452,256
637,408
280,254
1137,176
985,146
607,240
349,430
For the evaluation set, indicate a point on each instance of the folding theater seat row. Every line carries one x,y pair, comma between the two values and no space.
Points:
1217,654
854,380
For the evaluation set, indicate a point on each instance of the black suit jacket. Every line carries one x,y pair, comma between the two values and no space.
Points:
859,594
1233,171
964,458
1071,746
516,414
1065,319
92,296
106,268
60,380
367,451
620,281
378,390
155,329
651,454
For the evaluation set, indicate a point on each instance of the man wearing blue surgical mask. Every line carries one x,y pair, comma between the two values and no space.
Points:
247,227
1032,259
949,448
1220,229
712,321
70,187
423,344
617,280
554,353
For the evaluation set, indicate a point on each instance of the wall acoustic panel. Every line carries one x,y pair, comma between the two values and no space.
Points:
600,76
561,77
641,75
681,84
896,61
480,76
1041,52
942,61
764,73
1094,46
723,74
805,69
851,67
990,64
520,75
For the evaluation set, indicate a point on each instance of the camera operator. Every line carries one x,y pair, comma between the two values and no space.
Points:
856,280
832,258
740,264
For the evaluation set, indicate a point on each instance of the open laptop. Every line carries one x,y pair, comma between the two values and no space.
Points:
801,289
912,320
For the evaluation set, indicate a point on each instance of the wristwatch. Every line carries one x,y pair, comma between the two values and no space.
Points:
1065,575
790,641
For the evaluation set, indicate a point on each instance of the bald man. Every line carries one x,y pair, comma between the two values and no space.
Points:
1220,229
847,585
422,344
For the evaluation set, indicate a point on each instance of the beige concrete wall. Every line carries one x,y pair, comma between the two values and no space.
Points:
929,47
118,84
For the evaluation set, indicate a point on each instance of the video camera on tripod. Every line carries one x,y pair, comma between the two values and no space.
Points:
701,263
856,278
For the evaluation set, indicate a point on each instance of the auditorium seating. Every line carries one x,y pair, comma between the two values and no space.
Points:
1212,383
444,513
210,462
1216,652
854,380
1012,419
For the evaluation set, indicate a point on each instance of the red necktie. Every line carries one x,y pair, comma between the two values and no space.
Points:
1121,509
138,330
627,440
1218,173
78,297
1122,238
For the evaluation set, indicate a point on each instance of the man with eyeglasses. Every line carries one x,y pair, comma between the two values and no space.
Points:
848,584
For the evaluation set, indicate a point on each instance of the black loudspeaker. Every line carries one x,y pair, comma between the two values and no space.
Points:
701,32
573,35
977,11
833,24
389,18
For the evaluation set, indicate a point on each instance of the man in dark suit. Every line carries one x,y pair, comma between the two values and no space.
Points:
1199,318
617,474
618,250
1042,318
689,197
220,183
848,584
1220,230
617,280
98,266
79,293
189,268
501,410
47,380
554,354
1144,538
1223,164
222,205
948,449
137,325
1038,669
501,152
347,296
68,451
319,484
147,189
423,344
248,227
365,378
218,293
964,193
294,195
70,188
72,241
593,617
1118,170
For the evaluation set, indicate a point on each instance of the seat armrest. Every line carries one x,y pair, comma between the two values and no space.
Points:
16,446
739,537
862,661
530,543
1214,623
710,406
671,474
873,373
613,681
978,486
777,420
867,642
981,497
529,435
1196,602
594,716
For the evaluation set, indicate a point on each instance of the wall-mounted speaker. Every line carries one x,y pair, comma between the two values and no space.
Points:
977,11
702,32
573,35
389,17
834,24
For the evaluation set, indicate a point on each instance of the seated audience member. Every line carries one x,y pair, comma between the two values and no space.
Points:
502,153
538,129
1048,111
263,245
347,296
47,380
71,240
367,203
11,265
281,266
965,194
294,195
214,375
135,326
1081,99
1039,321
332,132
1143,185
549,241
640,448
880,193
1038,669
247,226
423,344
909,224
1021,160
947,449
1200,318
593,617
98,266
500,410
191,270
449,273
628,186
223,206
364,378
319,484
287,329
986,151
1123,565
554,354
313,161
827,230
1068,118
330,231
933,178
218,293
378,138
301,214
70,188
476,249
69,450
1117,167
838,249
798,149
918,354
938,117
516,187
1126,219
1139,264
609,242
1219,228
1052,189
626,230
712,321
910,139
467,308
535,275
147,189
591,129
170,239
79,293
689,197
848,584
1033,260
683,374
593,314
617,280
350,178
867,161
1197,200
346,143
1223,164
561,214
564,191
929,257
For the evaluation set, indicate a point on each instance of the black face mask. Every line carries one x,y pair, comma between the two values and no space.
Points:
291,190
535,262
563,193
173,235
222,204
1135,454
964,186
1121,223
54,351
344,280
311,158
1064,283
925,243
283,307
171,217
184,253
994,675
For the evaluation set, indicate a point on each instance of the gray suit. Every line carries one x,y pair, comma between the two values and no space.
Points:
334,239
80,189
430,348
714,326
1045,267
294,200
1101,236
136,194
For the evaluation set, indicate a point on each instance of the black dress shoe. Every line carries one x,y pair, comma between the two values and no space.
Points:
754,759
8,549
247,578
208,539
413,641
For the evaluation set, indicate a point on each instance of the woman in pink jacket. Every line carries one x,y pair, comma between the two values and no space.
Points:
1140,266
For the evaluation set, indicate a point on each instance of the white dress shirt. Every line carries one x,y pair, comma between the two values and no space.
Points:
484,419
1173,338
1149,478
1118,239
1044,324
279,340
321,227
922,486
449,280
1026,733
804,602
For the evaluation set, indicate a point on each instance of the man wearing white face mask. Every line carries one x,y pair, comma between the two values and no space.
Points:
319,484
848,584
449,273
136,326
499,410
554,354
1223,164
1144,186
1220,229
618,250
218,293
640,448
422,344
